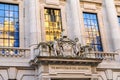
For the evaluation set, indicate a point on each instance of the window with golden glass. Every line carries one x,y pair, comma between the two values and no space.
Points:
53,23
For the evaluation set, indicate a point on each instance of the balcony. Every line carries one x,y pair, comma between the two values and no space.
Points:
68,51
14,52
11,56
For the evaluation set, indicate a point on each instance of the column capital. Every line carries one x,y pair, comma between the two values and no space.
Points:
109,74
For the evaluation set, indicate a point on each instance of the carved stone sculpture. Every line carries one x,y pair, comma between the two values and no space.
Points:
63,47
77,47
56,47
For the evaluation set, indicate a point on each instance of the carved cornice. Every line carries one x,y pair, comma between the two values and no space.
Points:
65,60
91,5
92,1
117,3
53,2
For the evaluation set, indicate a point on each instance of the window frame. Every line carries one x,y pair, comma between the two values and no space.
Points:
61,27
42,20
118,20
9,17
21,24
97,21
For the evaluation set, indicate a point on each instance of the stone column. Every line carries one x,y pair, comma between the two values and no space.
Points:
113,26
73,15
33,26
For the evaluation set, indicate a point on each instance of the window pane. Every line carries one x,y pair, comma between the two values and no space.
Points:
9,25
1,42
16,8
53,25
11,7
1,20
92,31
11,21
7,13
11,13
16,35
6,7
16,43
119,20
2,6
16,14
2,13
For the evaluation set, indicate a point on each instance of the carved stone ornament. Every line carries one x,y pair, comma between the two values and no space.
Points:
63,47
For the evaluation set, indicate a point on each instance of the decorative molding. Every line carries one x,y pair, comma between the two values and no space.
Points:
89,6
92,1
117,2
53,2
118,9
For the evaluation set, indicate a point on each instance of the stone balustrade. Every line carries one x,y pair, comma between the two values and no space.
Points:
65,47
101,55
14,52
92,55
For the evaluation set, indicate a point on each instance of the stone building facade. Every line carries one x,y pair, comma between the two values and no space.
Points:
59,40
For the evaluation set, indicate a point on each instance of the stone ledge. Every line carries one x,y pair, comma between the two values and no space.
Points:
92,1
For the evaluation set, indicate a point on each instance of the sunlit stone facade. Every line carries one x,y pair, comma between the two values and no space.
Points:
59,40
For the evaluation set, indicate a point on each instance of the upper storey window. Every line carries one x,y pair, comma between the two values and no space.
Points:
53,23
9,25
92,32
119,20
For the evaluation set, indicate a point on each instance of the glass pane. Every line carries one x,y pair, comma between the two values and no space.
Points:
7,13
16,43
11,35
11,43
119,20
11,13
16,14
1,34
2,13
11,7
16,35
1,42
2,6
6,7
1,20
12,20
5,42
1,29
16,8
16,28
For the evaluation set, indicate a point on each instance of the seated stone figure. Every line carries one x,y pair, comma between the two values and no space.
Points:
44,49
